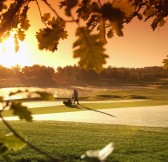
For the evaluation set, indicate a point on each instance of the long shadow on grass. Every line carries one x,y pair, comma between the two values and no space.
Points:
87,108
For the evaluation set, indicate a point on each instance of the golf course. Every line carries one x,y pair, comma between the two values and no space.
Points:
135,121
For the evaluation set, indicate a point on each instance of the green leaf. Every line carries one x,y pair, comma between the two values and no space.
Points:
45,95
90,50
21,111
9,142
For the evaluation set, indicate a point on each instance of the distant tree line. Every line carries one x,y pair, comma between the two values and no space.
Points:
38,75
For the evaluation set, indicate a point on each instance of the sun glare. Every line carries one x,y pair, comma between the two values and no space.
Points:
8,56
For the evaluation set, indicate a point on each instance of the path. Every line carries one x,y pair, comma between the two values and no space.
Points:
150,116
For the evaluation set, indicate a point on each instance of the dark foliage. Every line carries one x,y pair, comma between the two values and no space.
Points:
37,75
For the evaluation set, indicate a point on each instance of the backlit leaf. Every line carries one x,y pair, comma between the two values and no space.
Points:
102,30
124,6
90,50
46,17
162,22
1,98
48,38
21,111
149,11
69,4
2,5
45,95
115,16
10,18
21,35
84,9
25,25
117,27
9,142
110,33
92,22
16,43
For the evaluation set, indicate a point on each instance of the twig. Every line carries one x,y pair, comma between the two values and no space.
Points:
54,11
28,143
40,13
51,8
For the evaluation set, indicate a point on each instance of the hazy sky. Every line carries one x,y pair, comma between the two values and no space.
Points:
139,47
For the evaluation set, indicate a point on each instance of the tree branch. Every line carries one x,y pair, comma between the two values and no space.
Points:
40,13
28,143
54,11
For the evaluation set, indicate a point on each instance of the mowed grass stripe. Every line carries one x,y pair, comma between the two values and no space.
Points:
62,108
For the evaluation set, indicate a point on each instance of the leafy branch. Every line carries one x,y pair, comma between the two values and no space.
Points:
23,113
103,19
28,143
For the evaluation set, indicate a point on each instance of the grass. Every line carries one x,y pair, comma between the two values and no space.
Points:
153,97
62,108
70,140
156,93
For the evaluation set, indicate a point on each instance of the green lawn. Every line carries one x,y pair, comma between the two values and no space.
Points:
152,97
62,108
68,141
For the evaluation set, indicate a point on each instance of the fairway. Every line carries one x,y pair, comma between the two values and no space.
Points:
137,127
68,141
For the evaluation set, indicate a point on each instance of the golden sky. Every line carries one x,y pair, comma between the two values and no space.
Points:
139,47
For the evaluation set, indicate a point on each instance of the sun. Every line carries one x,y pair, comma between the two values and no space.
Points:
8,56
